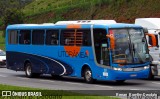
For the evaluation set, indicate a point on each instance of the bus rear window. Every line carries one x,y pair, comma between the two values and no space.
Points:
13,37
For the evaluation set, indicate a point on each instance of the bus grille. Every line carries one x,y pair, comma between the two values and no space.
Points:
133,69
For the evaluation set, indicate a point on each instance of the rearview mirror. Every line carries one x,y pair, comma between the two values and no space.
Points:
112,41
153,39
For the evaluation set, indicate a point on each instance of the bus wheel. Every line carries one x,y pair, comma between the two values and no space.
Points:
28,70
150,76
88,75
120,81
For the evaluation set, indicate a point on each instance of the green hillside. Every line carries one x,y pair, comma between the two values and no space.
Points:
2,41
50,11
43,11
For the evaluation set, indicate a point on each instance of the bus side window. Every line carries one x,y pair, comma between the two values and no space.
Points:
52,37
68,37
38,37
25,37
85,36
77,37
67,41
12,37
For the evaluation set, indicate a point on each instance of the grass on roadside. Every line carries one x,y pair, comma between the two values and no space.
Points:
60,93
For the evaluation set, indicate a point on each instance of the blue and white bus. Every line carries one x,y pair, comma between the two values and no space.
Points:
96,49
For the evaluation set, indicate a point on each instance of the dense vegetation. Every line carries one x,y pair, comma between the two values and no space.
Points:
2,41
50,11
42,11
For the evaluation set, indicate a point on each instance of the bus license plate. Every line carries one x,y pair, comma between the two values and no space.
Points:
133,75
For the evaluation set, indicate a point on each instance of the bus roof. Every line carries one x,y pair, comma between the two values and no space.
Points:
59,25
149,23
86,22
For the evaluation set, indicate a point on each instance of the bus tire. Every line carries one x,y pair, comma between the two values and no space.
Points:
150,76
28,71
88,75
120,81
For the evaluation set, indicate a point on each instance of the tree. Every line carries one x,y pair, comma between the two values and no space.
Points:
12,16
9,13
18,4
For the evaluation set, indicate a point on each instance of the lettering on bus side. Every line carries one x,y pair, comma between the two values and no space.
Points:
73,54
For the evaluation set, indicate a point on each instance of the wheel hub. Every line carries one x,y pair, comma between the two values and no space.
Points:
28,70
88,75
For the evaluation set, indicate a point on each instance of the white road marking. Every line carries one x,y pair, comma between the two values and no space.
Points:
103,86
91,85
47,81
39,80
155,82
134,89
2,76
74,83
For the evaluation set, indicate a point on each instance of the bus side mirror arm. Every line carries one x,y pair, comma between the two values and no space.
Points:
153,38
112,41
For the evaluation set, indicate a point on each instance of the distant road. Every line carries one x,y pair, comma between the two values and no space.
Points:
47,82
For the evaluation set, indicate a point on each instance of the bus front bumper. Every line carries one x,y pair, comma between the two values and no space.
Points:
112,74
125,75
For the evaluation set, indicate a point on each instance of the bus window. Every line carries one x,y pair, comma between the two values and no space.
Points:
101,47
25,37
67,37
13,37
52,37
38,37
84,36
76,37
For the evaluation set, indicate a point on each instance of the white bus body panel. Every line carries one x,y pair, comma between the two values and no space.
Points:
153,26
86,22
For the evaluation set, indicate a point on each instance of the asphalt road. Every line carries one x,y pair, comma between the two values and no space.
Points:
47,82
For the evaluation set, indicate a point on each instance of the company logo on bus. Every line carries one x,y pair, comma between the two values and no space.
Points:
73,51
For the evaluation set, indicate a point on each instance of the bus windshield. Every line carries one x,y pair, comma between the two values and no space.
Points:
130,46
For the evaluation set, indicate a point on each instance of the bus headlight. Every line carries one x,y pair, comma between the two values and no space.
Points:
118,69
146,67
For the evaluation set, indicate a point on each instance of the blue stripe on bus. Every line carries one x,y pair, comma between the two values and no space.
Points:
40,64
